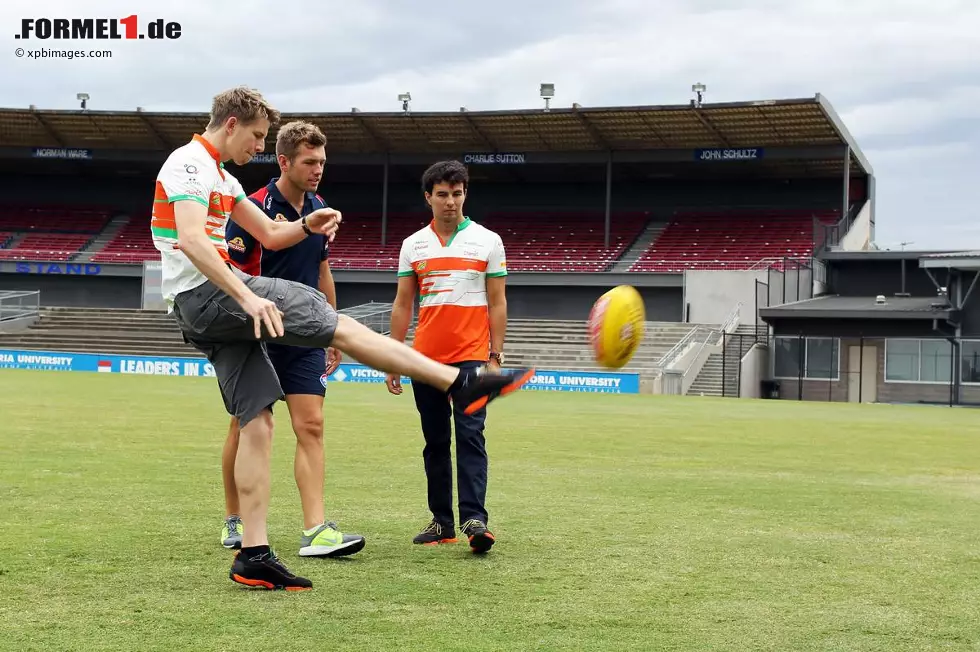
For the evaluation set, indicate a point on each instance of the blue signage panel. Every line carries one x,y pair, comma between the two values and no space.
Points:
120,364
62,153
544,380
729,154
73,269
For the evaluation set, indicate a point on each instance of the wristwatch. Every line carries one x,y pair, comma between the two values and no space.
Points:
499,357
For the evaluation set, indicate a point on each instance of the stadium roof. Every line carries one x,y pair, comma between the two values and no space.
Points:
961,260
837,307
769,123
882,254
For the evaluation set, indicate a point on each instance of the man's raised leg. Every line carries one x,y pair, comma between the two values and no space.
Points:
309,320
388,355
471,389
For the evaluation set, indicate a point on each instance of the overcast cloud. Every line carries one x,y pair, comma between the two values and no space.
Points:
903,74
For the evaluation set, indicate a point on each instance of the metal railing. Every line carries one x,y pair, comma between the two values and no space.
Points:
828,236
675,351
695,264
17,304
672,380
734,317
375,315
702,335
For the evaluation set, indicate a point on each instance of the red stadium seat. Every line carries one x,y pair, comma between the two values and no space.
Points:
48,232
540,241
534,241
731,239
46,246
131,245
54,219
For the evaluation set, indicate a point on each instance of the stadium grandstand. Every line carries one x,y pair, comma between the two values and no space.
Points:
712,211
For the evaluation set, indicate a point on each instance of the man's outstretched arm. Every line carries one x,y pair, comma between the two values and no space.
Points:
279,235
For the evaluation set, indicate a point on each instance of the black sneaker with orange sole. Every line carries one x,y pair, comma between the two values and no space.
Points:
480,387
265,571
480,538
435,533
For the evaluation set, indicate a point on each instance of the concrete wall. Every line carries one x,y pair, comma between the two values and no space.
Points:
755,367
79,292
710,295
858,238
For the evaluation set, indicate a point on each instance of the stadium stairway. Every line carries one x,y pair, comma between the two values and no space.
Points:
559,345
15,240
642,243
110,231
722,369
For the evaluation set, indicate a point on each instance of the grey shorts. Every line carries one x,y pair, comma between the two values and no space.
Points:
219,328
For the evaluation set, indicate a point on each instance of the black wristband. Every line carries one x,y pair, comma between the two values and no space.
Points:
305,228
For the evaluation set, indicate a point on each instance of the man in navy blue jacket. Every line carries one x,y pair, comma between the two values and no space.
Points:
302,371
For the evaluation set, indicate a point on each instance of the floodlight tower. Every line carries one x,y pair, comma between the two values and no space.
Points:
547,92
699,89
84,99
405,98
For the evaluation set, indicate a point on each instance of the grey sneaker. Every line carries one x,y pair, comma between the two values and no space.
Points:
327,541
231,532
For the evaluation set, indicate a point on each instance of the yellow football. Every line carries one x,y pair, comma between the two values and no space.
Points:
616,326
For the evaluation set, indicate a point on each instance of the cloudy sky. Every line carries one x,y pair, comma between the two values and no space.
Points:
903,74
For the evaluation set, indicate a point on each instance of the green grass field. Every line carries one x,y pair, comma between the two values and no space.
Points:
624,523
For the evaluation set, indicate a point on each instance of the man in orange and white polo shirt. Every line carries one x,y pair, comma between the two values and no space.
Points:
458,268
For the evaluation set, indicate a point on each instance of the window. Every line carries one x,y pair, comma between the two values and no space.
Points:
788,357
902,360
937,361
820,357
918,361
970,361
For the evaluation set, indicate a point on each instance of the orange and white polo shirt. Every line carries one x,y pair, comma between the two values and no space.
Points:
192,172
454,319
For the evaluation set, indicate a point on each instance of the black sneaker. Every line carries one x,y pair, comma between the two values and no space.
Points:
480,538
265,571
435,533
481,387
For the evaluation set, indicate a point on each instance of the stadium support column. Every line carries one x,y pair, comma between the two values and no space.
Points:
847,188
608,192
384,204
